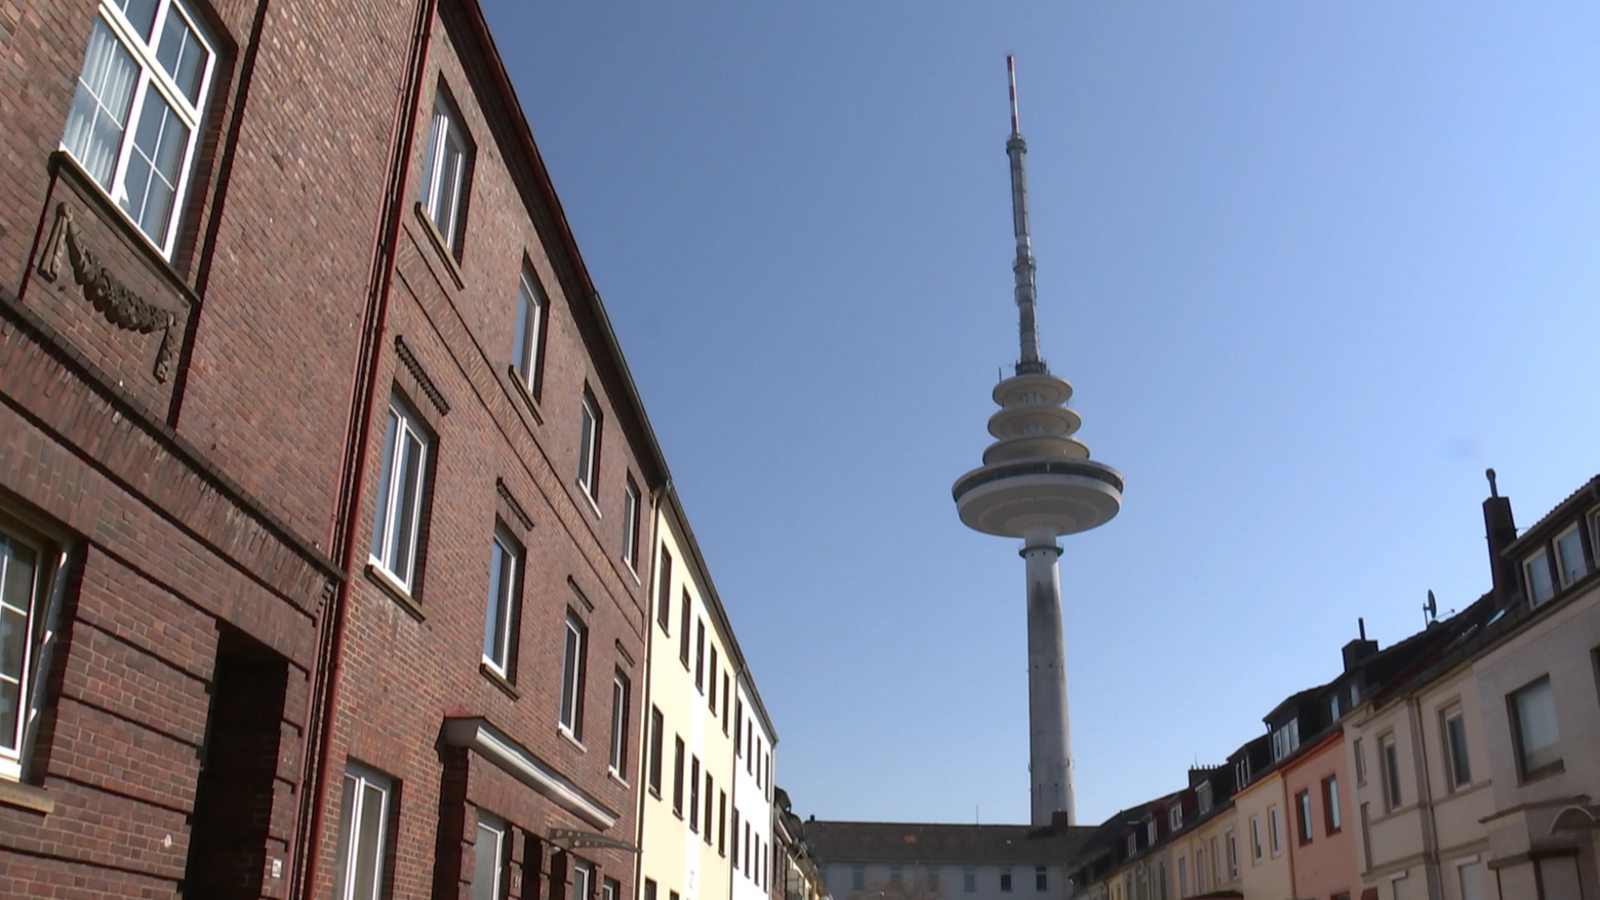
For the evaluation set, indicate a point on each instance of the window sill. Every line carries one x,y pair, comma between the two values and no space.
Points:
397,592
655,792
520,388
593,503
440,244
616,776
1543,772
499,681
27,797
569,737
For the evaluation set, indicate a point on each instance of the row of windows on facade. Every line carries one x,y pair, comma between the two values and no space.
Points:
402,484
364,845
1555,566
757,757
932,877
700,805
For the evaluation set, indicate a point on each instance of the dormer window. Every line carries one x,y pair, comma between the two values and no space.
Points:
1241,773
1536,570
1333,708
1175,817
1203,792
1150,832
1569,556
1133,843
1285,740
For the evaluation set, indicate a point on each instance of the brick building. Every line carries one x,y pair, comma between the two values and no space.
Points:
322,478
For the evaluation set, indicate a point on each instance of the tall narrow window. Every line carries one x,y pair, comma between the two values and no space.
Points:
630,522
582,879
1041,878
734,860
686,620
135,117
572,676
527,347
694,793
24,591
677,775
1534,731
1389,762
1536,569
1233,854
589,446
610,889
505,557
619,724
1330,804
1569,556
664,597
711,695
1458,770
402,478
488,858
657,726
700,656
738,727
706,815
363,835
1302,808
1272,830
1255,838
722,823
1361,761
444,172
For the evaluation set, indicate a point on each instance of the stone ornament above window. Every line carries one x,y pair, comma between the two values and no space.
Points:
110,297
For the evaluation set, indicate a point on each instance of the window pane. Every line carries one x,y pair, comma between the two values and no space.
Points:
151,180
369,837
402,549
1536,726
380,524
182,55
1537,568
99,113
347,815
1569,555
141,13
486,863
502,583
586,446
1460,772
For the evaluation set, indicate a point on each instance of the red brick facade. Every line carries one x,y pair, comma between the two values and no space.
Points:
200,435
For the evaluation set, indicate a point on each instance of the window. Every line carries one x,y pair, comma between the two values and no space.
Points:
1272,830
1533,729
1285,740
401,480
488,858
1041,878
630,522
589,446
505,557
1241,773
527,346
1216,861
650,890
27,584
1330,803
444,172
1175,816
1255,838
1203,797
1389,764
694,793
895,874
706,832
725,704
969,879
677,775
135,116
664,598
722,823
683,634
363,835
1233,855
1569,555
1361,762
1200,868
582,879
1183,875
711,695
1536,569
735,858
738,726
1133,843
700,656
858,876
1005,881
933,879
1150,833
609,889
572,676
1302,806
619,724
1458,770
657,726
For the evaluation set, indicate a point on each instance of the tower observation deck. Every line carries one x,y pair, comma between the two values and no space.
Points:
1037,483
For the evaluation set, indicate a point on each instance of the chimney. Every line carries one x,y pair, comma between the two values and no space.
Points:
1357,651
1501,530
1058,819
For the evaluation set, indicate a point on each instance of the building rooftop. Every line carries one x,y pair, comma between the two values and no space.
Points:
940,843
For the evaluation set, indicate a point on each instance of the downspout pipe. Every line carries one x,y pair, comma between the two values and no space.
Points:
331,631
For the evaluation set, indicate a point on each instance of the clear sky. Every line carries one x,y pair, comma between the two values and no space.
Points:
1310,268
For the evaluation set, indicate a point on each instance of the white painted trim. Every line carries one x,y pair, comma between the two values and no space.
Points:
480,736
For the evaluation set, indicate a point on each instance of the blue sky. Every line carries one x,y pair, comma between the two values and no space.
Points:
1310,268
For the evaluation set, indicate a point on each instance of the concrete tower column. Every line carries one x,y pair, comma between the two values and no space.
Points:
1049,741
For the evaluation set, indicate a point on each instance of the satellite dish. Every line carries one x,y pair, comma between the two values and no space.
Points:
1430,609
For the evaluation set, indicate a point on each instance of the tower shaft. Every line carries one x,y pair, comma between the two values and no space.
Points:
1049,742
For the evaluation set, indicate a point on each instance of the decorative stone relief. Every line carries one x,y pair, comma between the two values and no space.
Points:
116,301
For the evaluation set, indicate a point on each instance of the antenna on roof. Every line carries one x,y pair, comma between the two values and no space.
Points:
1430,610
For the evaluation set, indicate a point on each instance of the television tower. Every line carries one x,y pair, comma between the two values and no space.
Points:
1038,483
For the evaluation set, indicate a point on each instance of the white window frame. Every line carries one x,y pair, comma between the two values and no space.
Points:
574,650
1175,817
1274,830
527,343
621,699
1541,587
443,202
1542,688
609,889
630,523
589,422
1255,839
357,780
494,830
582,873
40,625
500,617
1569,571
1332,817
402,424
1233,854
1458,774
152,75
1389,769
1302,812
